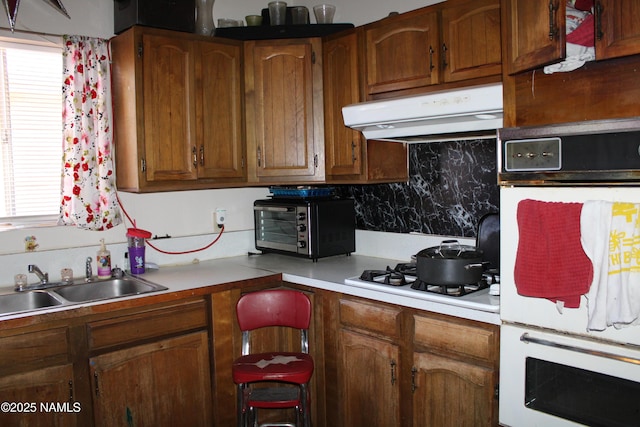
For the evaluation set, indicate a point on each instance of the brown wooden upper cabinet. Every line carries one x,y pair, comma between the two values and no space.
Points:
178,110
349,158
471,40
536,31
283,93
455,41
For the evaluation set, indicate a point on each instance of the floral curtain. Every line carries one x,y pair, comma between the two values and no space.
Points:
88,181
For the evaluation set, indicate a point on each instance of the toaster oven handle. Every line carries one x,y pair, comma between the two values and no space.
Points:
273,208
526,338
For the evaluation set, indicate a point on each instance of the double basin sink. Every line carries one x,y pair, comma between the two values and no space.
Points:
73,294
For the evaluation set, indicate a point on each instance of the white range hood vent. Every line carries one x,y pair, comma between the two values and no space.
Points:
466,113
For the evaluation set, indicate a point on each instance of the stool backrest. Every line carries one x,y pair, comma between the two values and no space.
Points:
274,307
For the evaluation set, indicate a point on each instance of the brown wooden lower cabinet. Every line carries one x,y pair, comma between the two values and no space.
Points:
164,383
169,363
40,397
398,366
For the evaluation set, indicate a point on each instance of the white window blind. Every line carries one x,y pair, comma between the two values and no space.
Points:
31,132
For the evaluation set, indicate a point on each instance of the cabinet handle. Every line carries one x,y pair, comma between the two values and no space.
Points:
202,155
97,387
315,160
195,155
552,14
259,157
393,372
444,56
70,391
413,379
598,10
431,52
353,151
143,164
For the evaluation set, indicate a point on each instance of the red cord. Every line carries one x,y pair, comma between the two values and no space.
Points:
169,252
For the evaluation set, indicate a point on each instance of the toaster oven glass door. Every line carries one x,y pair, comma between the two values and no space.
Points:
277,228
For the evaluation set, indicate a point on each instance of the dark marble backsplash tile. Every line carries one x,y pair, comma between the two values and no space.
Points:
451,186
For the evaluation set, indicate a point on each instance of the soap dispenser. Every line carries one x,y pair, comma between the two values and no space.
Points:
104,262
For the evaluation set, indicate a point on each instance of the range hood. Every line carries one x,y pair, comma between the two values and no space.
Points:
466,113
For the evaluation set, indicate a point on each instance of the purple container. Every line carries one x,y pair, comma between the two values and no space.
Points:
135,239
136,259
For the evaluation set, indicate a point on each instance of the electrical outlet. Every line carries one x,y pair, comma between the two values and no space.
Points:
219,219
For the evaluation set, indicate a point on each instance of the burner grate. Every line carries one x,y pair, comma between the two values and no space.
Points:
405,274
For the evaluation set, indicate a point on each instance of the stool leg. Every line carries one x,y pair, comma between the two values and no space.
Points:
305,405
241,417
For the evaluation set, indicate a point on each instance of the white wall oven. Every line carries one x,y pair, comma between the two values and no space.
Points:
570,274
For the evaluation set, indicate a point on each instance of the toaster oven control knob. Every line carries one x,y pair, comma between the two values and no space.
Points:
302,216
302,227
302,244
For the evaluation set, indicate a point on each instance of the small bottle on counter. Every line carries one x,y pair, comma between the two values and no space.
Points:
103,259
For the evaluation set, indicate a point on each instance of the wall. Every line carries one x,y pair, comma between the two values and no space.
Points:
451,186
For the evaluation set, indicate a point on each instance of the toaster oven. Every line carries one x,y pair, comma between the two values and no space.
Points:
310,228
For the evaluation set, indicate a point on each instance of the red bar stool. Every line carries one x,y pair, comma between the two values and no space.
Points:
271,308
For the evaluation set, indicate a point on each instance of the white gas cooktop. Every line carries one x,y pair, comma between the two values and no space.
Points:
479,300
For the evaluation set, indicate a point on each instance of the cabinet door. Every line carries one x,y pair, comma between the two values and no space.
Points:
368,384
52,387
169,108
535,33
343,146
617,29
451,393
164,383
471,40
402,52
284,88
219,72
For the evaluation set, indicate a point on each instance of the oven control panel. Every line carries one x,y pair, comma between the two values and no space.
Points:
540,154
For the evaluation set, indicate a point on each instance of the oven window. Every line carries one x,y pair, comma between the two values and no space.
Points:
589,398
277,227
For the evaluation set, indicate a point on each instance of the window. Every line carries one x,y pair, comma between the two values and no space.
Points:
30,133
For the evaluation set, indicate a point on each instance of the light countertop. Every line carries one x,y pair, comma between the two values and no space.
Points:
327,273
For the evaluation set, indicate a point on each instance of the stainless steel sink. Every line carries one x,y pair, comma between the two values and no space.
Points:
27,301
59,295
106,289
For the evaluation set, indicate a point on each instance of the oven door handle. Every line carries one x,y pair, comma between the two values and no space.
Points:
526,338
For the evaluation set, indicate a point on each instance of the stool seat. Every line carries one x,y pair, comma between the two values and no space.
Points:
286,366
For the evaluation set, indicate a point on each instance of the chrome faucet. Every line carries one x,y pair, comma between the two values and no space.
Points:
44,277
88,272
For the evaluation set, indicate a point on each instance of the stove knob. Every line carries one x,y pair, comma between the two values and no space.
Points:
302,244
302,227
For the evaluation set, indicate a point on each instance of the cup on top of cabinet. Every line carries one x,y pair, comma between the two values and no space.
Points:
324,13
299,15
277,12
253,20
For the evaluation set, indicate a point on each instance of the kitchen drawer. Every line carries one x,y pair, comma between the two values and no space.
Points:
370,317
39,348
147,324
449,336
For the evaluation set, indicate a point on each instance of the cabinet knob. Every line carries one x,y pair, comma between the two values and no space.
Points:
598,10
553,8
444,56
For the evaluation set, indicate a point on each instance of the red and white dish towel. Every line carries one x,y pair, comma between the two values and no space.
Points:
611,239
550,261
